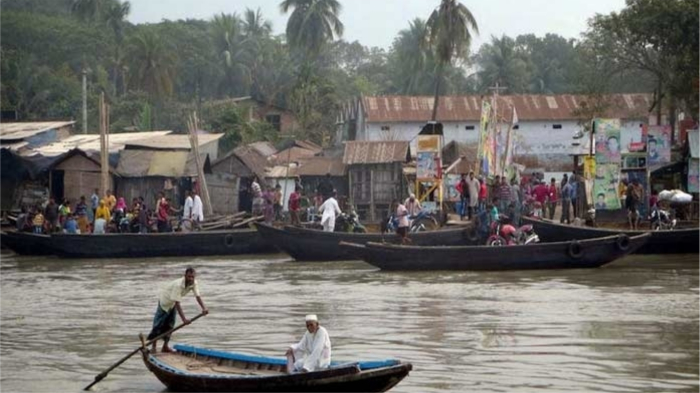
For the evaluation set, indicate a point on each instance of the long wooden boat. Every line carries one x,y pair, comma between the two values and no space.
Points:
313,245
27,243
191,369
138,245
677,241
561,255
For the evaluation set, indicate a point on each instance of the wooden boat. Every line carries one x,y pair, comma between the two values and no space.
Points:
562,255
191,369
140,245
27,243
677,241
313,245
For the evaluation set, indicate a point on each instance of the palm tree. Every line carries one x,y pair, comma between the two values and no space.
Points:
412,57
230,46
255,26
88,10
312,24
153,64
450,27
114,16
502,63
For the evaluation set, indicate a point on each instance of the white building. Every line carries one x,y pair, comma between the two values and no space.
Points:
545,129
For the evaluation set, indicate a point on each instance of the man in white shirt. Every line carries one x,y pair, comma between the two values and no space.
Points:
168,302
412,205
189,204
197,208
330,209
313,352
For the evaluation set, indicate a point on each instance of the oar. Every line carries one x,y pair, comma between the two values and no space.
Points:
103,374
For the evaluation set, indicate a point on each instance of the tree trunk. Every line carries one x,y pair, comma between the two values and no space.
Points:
436,101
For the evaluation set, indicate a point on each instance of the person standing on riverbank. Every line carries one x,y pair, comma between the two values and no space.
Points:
169,302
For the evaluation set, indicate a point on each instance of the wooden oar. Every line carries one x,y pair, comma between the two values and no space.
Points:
103,374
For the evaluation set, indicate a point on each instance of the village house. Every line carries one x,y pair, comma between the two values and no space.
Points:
544,131
238,168
281,119
375,175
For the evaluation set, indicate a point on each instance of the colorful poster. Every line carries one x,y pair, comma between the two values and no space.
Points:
427,164
607,138
450,183
633,138
605,187
659,145
693,175
588,167
429,143
485,155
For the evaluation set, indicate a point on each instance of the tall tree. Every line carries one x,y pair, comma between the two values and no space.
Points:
229,44
114,16
501,62
450,26
312,24
152,64
412,56
254,26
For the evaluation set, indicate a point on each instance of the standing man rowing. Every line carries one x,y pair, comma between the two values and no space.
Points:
168,302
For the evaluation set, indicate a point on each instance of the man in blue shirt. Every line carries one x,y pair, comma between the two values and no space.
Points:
71,225
94,203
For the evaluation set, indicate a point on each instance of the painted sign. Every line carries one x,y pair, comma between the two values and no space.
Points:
588,167
427,165
607,135
428,143
605,186
450,182
659,145
693,175
486,142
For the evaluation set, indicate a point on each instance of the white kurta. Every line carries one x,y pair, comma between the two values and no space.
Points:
198,209
187,211
474,186
329,209
313,352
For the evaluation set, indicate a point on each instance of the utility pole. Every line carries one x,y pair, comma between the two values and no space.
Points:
84,101
104,144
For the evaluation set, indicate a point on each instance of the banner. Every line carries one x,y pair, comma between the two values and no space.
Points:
607,136
659,145
510,142
693,175
639,175
450,182
588,167
605,186
427,164
486,153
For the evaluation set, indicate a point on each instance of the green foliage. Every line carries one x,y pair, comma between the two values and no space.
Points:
230,119
312,24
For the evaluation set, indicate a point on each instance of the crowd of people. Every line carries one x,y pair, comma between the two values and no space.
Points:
109,214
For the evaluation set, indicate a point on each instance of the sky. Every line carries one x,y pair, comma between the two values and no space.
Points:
377,22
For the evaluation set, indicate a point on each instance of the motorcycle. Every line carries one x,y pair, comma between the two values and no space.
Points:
349,222
502,233
421,222
661,220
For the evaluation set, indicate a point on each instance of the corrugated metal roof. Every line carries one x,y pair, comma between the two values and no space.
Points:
91,142
293,154
266,149
281,171
252,159
387,109
320,166
375,152
141,163
171,141
308,145
19,131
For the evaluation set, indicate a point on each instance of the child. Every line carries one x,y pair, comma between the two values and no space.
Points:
38,222
494,210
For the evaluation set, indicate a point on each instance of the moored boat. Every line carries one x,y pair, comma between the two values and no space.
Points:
561,255
27,243
677,241
313,245
191,369
141,245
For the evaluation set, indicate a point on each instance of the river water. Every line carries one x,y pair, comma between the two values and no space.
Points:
631,326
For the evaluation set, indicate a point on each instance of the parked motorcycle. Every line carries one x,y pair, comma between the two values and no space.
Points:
421,222
661,220
349,222
503,233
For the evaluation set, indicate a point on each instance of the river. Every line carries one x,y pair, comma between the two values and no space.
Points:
631,326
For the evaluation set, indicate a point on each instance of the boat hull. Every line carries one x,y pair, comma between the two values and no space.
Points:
137,245
25,243
563,255
678,241
243,373
313,245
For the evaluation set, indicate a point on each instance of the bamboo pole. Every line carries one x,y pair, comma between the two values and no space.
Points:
104,145
193,124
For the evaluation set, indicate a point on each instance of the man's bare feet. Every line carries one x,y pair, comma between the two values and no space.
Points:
166,349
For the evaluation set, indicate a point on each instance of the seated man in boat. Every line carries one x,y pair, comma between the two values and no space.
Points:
313,352
169,301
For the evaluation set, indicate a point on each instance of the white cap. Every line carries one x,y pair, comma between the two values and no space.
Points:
311,317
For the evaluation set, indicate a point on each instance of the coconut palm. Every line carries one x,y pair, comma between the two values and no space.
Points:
152,66
254,26
413,59
450,28
502,63
312,24
114,16
230,47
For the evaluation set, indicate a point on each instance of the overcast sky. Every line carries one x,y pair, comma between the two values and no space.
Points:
377,22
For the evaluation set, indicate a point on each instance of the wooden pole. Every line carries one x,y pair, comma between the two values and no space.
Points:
193,125
104,142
